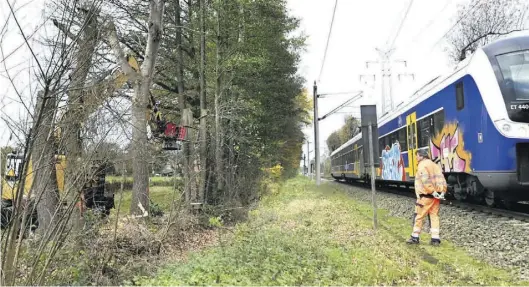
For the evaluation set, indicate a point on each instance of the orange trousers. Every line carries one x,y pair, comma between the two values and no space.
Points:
424,207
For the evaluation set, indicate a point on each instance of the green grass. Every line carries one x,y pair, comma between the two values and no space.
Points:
309,236
161,195
152,179
129,178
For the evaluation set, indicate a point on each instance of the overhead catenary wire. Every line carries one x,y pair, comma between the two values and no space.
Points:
457,22
328,39
401,25
433,20
336,93
357,96
450,29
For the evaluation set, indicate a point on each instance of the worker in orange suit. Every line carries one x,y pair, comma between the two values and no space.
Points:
430,187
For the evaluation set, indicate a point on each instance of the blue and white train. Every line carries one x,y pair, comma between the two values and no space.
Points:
474,122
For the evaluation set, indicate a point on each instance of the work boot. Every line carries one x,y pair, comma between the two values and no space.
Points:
413,240
435,242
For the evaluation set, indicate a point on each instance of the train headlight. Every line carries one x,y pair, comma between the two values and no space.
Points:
524,132
506,128
512,129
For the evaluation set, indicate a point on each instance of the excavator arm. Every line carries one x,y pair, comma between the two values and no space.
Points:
157,127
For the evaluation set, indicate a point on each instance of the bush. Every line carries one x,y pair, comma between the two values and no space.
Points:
95,258
271,180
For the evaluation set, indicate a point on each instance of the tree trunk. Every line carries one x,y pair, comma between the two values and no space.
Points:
11,250
45,176
140,188
230,181
186,160
203,107
218,128
142,85
140,168
71,126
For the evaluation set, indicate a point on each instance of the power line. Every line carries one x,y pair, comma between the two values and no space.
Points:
451,28
328,39
401,24
431,21
458,21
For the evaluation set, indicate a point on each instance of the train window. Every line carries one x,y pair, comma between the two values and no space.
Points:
460,96
393,138
438,121
424,131
403,141
381,145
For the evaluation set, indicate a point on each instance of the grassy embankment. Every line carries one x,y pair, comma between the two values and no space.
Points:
308,236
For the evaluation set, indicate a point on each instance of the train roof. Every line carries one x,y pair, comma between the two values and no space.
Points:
349,142
498,47
429,89
506,45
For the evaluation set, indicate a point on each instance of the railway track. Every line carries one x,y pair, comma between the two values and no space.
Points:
517,211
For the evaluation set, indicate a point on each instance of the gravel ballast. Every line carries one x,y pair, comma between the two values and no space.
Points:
496,240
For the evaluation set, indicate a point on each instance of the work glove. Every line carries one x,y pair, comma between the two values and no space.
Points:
439,195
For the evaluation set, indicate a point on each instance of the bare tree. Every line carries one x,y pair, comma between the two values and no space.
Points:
203,106
85,42
181,96
219,139
39,147
481,22
142,81
45,176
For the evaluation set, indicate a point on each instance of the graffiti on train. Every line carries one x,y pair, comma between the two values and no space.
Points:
447,149
392,163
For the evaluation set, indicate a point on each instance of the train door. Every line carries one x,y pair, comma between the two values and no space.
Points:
411,122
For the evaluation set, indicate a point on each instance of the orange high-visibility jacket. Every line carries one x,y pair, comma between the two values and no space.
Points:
429,178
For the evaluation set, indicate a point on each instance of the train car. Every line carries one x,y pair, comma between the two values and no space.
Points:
474,122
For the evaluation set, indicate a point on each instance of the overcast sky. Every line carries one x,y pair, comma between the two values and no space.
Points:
359,28
17,58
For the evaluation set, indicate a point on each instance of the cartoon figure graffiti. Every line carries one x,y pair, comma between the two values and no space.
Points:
392,163
447,149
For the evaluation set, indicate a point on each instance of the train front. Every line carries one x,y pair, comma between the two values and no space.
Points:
509,58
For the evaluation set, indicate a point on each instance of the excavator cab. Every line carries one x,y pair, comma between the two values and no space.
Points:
171,134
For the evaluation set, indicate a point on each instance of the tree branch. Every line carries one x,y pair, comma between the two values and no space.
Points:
113,40
464,50
63,29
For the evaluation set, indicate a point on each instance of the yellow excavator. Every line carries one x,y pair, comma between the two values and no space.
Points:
94,194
